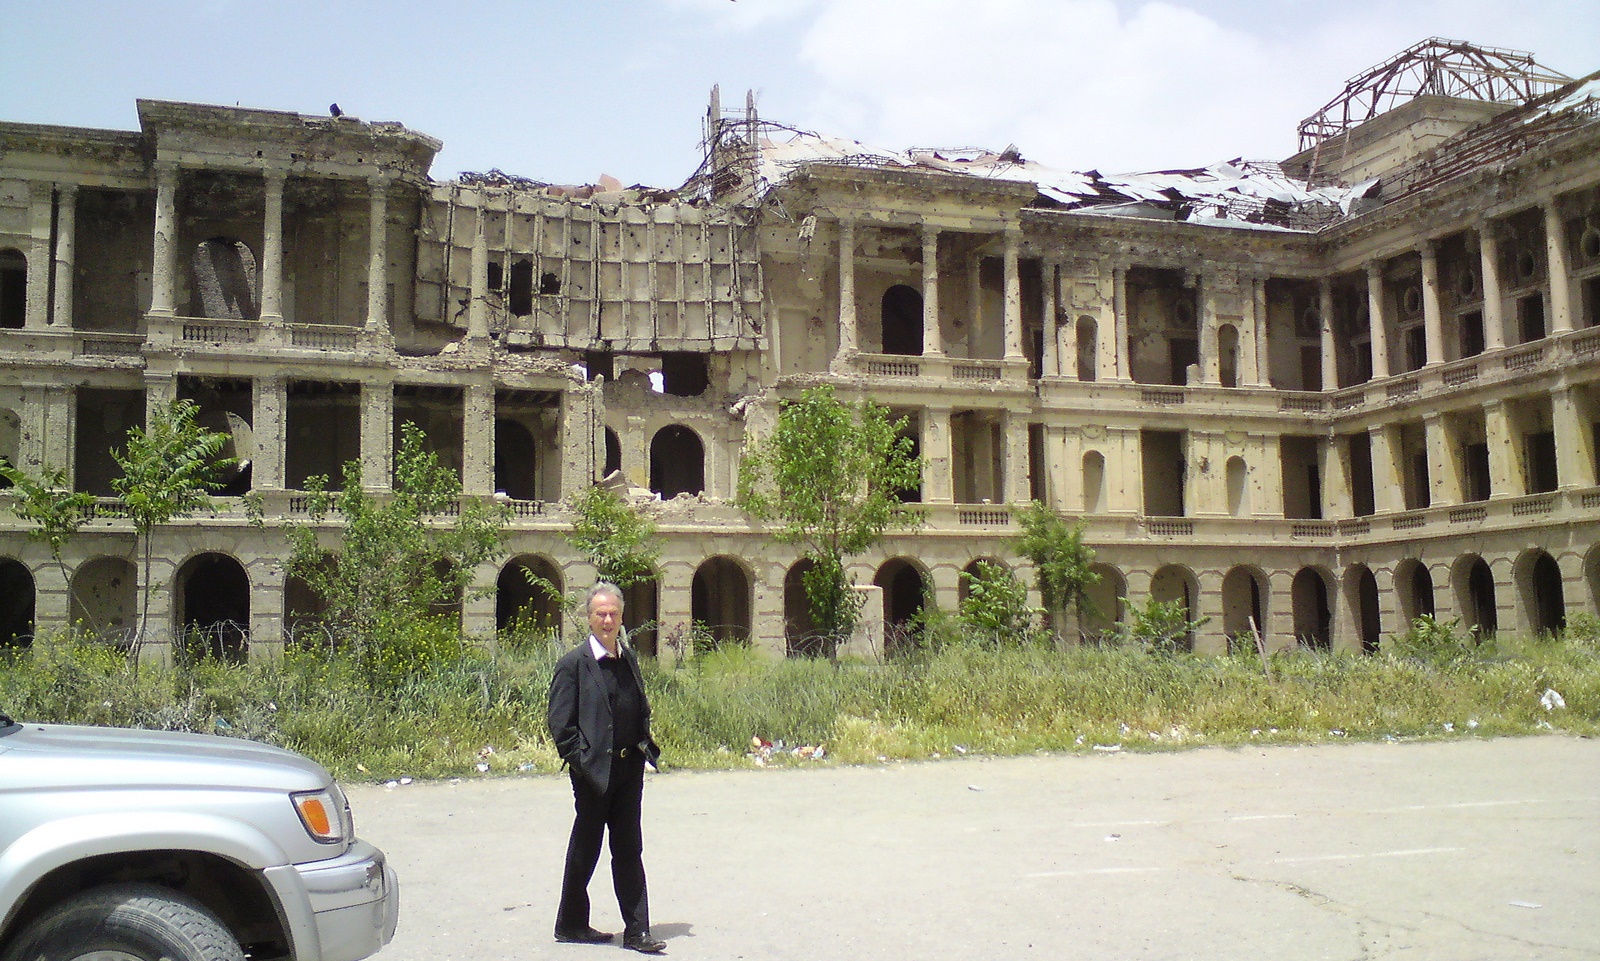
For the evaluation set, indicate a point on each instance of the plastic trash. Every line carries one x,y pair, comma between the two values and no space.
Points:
1552,700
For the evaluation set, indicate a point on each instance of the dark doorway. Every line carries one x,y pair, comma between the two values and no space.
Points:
215,618
16,604
677,462
902,321
904,593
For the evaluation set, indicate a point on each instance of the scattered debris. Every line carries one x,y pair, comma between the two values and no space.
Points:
1108,748
973,787
762,751
1525,904
1552,700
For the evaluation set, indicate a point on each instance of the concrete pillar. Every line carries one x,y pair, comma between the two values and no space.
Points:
1050,359
478,606
1555,246
272,250
1444,471
267,578
1212,639
583,443
1494,321
163,277
1120,335
937,487
1255,358
478,294
477,440
1015,430
41,208
1432,316
1574,443
66,246
378,255
1066,334
848,339
1387,493
1330,353
932,338
1013,297
268,427
160,390
1210,352
1336,501
1504,479
1377,321
377,435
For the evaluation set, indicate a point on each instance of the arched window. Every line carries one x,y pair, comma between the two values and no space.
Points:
1238,488
902,320
1094,482
613,456
677,462
225,280
1228,355
1088,349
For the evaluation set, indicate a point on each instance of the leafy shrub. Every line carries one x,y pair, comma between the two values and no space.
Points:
1434,640
1161,627
995,611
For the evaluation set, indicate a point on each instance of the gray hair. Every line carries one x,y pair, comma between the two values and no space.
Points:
603,587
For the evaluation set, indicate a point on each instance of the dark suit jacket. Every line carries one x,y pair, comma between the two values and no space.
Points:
580,715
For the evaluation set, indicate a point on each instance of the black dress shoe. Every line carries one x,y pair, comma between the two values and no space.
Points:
643,942
583,936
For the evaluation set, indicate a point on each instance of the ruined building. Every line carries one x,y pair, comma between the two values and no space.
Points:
1326,394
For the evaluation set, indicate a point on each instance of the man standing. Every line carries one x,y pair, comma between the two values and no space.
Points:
600,722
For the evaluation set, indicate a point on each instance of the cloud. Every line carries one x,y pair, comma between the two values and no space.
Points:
739,16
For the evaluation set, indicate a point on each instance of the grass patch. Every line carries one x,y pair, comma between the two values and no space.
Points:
478,714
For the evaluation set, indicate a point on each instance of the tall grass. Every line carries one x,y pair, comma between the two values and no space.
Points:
476,714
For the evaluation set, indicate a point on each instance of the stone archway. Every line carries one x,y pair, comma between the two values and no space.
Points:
213,594
720,600
105,599
1313,616
1543,596
16,604
905,591
677,462
521,603
1244,603
1362,589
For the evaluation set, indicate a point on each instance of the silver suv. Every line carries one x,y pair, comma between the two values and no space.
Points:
145,845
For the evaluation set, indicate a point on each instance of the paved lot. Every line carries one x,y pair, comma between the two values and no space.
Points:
1473,849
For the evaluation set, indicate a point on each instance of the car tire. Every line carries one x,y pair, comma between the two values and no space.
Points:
127,922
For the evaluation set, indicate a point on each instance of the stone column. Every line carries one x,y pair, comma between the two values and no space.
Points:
1066,335
937,486
1210,354
1432,316
847,294
1504,479
160,391
377,435
378,255
66,246
1574,443
1330,353
1013,299
272,249
1377,322
1336,501
41,207
163,276
269,429
1388,495
1494,322
478,295
1050,347
1258,373
932,337
1120,334
477,439
1444,473
1555,247
1014,428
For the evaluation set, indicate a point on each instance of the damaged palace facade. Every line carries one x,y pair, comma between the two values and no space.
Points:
1324,396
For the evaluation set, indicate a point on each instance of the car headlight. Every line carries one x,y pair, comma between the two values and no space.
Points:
324,814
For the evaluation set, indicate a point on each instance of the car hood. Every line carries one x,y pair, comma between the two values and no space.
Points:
58,754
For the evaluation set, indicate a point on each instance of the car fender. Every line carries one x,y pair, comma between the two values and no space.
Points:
66,841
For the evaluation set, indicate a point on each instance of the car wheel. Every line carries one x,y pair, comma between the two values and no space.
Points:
127,922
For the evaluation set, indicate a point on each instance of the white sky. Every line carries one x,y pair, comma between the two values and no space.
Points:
564,90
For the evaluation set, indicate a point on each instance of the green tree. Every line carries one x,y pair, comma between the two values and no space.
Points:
995,610
1061,562
169,468
49,503
619,541
829,478
401,556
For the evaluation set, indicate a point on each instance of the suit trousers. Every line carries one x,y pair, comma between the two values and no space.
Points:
615,811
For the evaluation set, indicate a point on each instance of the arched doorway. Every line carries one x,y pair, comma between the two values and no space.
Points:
1475,594
1177,584
214,607
613,455
1313,619
1414,585
902,321
719,601
904,593
641,614
1244,594
105,599
1094,482
1362,589
800,636
677,462
527,596
1100,610
16,604
1543,596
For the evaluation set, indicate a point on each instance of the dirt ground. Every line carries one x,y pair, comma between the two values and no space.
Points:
1450,851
